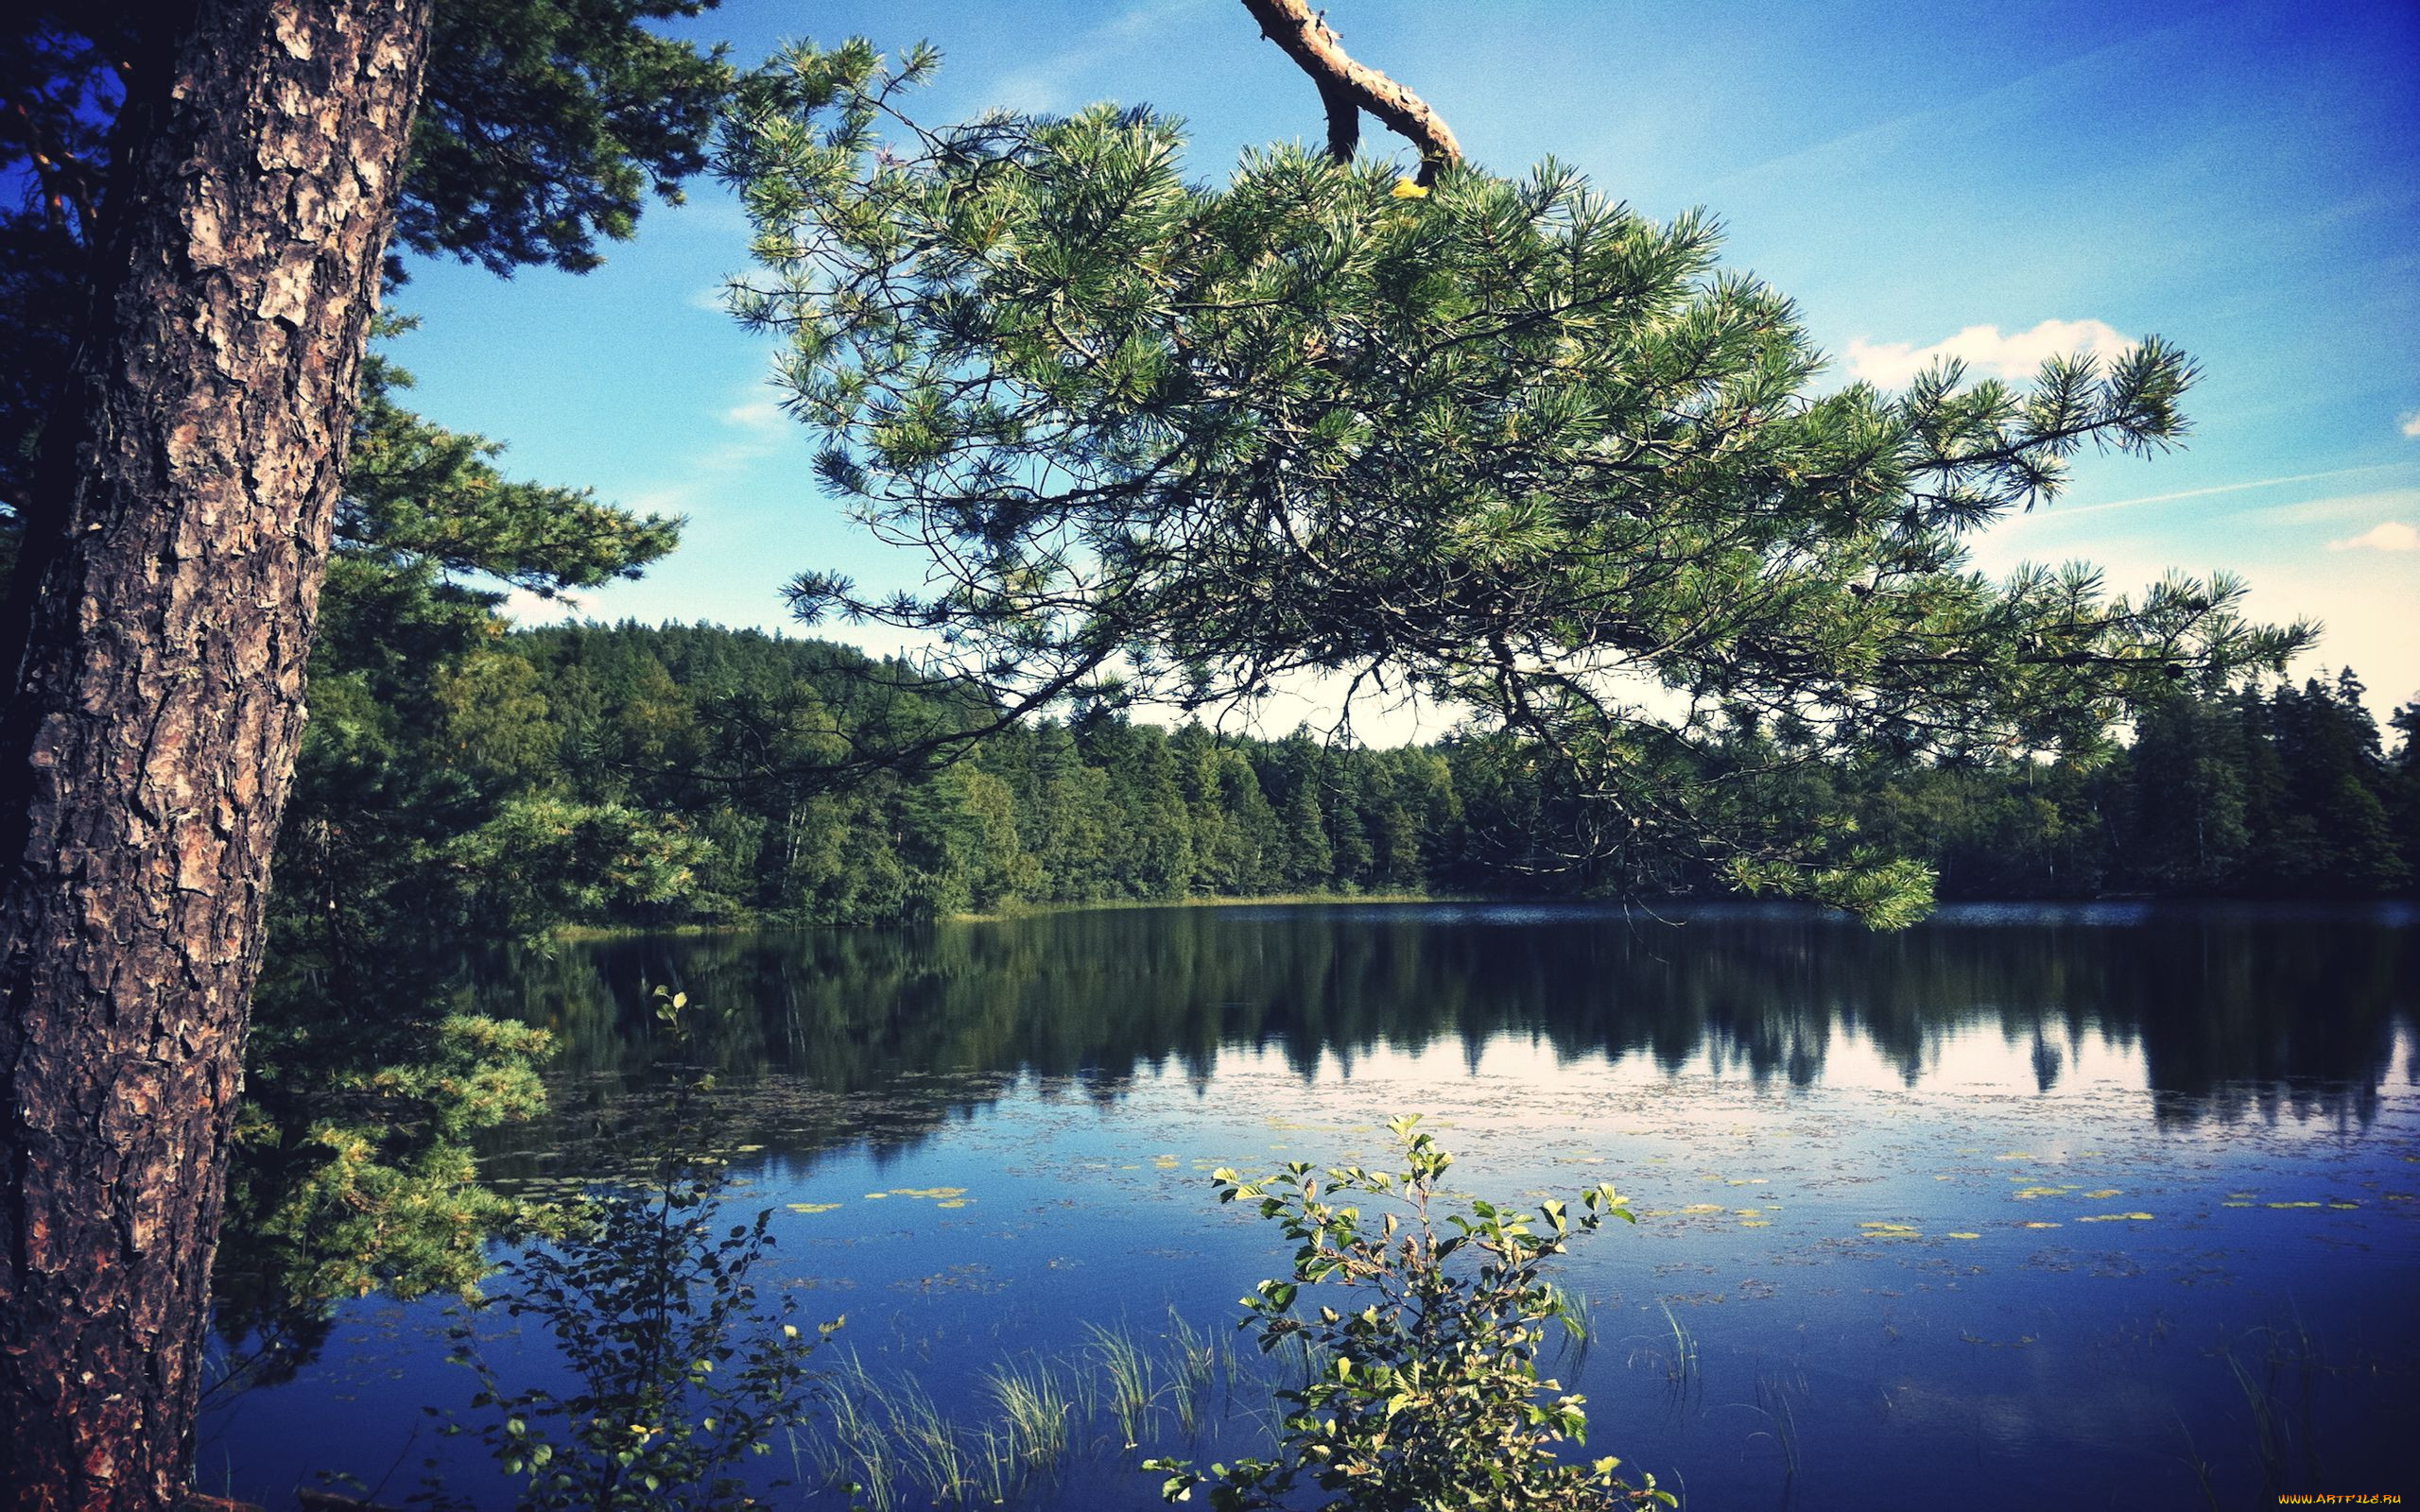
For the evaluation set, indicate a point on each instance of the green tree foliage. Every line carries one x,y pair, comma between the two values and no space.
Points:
748,743
355,1174
678,1374
719,776
428,762
2188,823
427,820
2282,794
2403,788
1502,442
546,123
1425,1328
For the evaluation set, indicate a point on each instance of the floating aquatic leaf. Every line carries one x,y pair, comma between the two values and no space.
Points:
1755,1223
813,1207
2039,1224
2104,1194
1703,1206
2029,1193
1965,1236
2293,1204
2117,1217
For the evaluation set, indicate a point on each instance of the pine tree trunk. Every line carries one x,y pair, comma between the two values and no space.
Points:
157,642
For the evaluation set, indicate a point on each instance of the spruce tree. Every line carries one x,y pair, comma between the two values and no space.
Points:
2403,787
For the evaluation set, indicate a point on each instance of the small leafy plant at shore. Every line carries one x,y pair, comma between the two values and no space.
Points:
680,1374
1426,1327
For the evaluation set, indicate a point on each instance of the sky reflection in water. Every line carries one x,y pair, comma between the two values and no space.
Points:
2021,1202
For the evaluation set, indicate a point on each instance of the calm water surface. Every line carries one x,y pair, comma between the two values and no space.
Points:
2100,1206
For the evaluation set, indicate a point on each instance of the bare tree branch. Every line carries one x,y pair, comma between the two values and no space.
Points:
1347,88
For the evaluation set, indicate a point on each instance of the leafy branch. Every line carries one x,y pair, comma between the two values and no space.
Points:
1427,1393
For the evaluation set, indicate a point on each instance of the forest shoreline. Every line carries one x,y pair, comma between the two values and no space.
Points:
577,934
587,933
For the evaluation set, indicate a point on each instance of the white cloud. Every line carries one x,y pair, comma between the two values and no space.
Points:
761,430
762,416
523,606
1046,87
2071,512
2342,506
2411,424
1986,353
2392,536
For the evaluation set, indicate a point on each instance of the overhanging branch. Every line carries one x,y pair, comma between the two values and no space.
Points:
1346,88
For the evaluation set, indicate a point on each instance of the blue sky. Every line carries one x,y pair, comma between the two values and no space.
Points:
2005,180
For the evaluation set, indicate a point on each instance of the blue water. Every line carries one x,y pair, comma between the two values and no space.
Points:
2093,1207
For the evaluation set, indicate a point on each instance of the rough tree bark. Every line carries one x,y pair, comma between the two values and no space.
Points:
156,643
1346,88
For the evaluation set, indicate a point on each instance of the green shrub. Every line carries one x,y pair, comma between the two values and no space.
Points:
678,1373
1423,1388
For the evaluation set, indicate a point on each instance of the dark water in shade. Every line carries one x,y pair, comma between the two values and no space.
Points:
2107,1206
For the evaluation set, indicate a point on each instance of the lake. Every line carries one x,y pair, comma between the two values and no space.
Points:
2100,1205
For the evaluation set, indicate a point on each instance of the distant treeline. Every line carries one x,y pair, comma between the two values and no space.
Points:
638,775
2284,792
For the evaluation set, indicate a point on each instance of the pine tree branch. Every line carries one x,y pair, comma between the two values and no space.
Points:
1346,88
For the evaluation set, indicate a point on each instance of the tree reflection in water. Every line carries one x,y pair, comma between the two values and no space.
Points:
2230,1013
